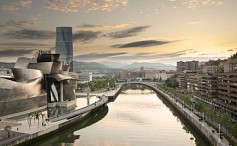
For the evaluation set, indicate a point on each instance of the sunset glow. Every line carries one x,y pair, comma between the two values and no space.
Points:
122,30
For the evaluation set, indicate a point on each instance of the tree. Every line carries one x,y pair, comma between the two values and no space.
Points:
234,56
233,129
171,82
199,107
221,68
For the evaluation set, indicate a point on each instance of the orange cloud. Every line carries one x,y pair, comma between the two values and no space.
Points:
101,27
198,3
73,6
15,25
12,7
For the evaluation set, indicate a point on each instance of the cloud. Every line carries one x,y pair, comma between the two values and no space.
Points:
86,36
14,25
95,56
14,53
30,34
200,3
9,8
195,22
23,44
127,57
25,3
147,43
175,54
127,32
147,56
204,54
91,27
73,6
230,50
19,4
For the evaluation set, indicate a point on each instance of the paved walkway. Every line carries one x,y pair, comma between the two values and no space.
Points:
221,142
40,124
25,127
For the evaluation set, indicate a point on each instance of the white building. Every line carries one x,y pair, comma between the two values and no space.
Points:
157,74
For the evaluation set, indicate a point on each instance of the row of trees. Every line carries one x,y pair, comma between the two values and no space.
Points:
98,84
213,115
172,82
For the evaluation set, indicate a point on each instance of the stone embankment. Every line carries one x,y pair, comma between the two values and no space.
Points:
209,132
26,131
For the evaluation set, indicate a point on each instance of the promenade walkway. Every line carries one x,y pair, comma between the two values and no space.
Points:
202,125
26,129
42,126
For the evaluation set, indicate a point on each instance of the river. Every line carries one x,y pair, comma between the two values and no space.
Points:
137,117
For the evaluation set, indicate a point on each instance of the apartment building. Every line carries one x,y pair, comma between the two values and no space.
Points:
207,86
188,65
227,83
210,69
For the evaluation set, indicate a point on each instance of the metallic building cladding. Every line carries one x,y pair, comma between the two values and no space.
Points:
64,45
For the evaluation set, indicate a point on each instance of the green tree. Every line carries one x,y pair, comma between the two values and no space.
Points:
171,82
233,129
234,56
199,107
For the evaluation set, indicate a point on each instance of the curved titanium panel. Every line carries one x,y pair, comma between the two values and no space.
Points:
47,67
23,62
7,84
26,75
11,90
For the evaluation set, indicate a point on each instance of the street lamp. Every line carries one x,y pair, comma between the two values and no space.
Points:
219,137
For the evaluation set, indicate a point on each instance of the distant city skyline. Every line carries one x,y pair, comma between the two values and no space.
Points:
123,31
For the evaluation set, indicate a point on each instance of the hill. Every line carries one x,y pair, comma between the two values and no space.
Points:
89,66
147,66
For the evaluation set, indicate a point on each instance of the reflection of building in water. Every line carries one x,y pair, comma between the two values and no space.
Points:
31,77
68,135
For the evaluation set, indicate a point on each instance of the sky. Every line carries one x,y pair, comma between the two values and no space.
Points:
123,31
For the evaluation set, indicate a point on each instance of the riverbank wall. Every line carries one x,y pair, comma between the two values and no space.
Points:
202,127
29,136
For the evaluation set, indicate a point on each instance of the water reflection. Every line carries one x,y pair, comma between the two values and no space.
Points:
68,135
137,118
187,127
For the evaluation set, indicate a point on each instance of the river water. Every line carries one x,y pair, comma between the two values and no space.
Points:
137,117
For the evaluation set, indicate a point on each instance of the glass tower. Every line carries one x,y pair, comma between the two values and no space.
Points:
64,45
